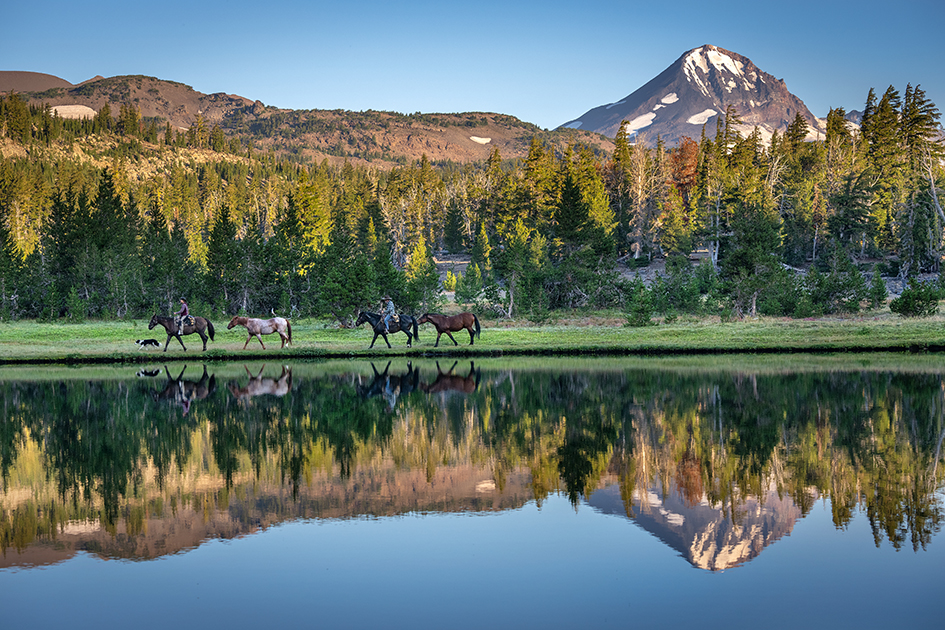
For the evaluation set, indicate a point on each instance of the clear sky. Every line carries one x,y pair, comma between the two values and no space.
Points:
544,62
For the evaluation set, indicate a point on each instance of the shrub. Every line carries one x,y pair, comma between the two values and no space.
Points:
877,292
781,296
840,289
918,299
639,304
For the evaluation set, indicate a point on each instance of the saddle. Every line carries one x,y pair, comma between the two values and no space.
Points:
188,320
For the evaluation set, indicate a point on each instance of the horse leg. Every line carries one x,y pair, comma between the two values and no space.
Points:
373,340
470,335
450,335
247,342
181,342
438,333
169,335
204,337
386,340
260,341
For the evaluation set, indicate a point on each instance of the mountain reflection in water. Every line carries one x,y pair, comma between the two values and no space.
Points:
718,463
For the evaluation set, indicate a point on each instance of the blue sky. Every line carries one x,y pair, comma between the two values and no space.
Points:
543,62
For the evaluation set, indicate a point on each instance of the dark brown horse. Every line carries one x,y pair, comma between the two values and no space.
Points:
256,327
183,392
198,325
452,323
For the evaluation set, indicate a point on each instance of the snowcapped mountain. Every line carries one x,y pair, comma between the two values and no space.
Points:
695,91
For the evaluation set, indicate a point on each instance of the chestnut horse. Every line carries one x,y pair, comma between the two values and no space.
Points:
256,327
450,324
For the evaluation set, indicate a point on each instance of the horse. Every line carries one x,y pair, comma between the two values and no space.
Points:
449,382
184,392
256,327
258,385
404,324
200,326
450,324
391,386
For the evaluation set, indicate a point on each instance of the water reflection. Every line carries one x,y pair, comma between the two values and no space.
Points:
259,385
717,463
183,392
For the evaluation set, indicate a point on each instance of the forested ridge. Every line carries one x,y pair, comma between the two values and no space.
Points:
118,216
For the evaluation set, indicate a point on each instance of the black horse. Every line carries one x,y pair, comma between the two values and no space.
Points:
405,324
200,326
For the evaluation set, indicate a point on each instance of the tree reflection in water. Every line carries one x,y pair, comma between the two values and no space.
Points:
706,459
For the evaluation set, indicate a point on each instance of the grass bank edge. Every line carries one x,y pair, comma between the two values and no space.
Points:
28,342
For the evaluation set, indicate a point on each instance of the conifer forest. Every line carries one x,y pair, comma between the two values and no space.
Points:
119,217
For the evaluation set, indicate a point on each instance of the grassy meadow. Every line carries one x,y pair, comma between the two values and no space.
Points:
24,342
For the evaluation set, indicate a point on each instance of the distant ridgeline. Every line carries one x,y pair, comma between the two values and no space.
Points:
119,214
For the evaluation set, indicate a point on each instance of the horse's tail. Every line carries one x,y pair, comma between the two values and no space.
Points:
478,329
288,326
210,328
416,329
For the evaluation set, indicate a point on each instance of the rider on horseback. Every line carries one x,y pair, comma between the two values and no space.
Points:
182,314
387,310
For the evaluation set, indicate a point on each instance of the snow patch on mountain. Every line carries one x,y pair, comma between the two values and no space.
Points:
640,122
702,117
615,104
670,98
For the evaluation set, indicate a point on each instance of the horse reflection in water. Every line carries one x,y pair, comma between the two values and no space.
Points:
185,392
449,382
261,386
391,386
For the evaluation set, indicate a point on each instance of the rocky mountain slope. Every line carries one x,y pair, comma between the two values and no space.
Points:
694,91
383,139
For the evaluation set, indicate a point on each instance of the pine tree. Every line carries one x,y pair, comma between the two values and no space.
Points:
571,215
885,163
796,132
223,264
423,280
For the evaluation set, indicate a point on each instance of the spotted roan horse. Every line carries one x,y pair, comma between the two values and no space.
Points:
191,325
406,324
257,327
452,323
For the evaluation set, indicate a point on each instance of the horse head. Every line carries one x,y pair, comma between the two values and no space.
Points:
362,317
233,322
424,319
154,322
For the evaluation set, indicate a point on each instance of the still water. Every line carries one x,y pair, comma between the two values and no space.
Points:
710,492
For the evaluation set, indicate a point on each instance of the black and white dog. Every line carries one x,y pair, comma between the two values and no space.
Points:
144,343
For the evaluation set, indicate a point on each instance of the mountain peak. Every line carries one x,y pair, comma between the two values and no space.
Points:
694,90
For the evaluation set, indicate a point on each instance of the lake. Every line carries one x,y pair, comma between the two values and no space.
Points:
711,492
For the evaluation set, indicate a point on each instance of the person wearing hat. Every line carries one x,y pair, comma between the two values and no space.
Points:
387,310
182,313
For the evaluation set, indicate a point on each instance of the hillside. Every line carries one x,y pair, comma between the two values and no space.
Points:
382,139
